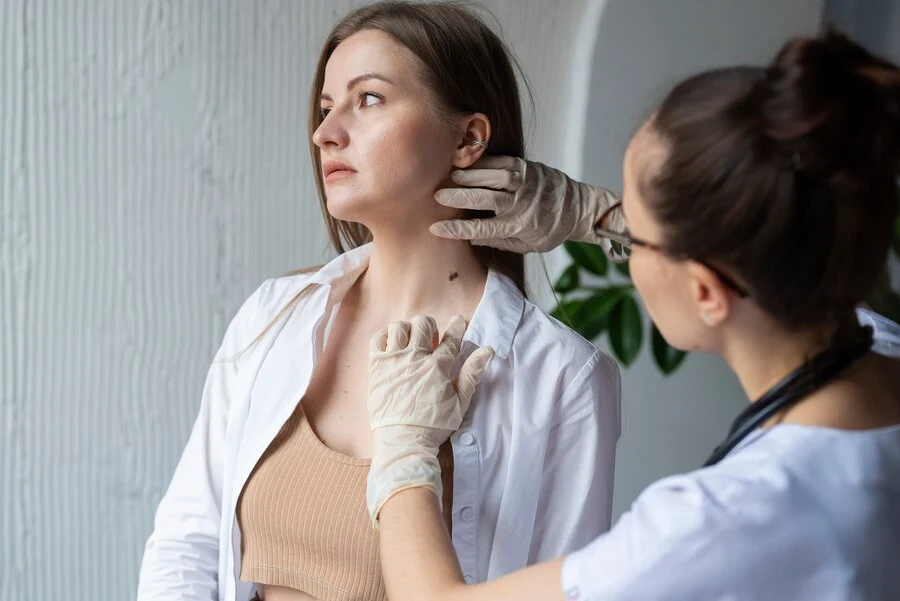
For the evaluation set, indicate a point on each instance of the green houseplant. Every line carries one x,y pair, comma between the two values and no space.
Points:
597,297
885,299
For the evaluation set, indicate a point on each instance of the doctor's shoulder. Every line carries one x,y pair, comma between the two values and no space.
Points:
705,534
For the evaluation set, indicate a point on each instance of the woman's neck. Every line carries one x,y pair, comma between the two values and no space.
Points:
762,352
412,274
861,397
763,357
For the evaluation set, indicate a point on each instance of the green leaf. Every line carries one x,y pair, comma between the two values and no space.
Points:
568,281
668,358
886,302
588,256
592,317
626,329
623,269
566,311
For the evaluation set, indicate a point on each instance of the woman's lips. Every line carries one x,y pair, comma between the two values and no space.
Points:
339,174
333,171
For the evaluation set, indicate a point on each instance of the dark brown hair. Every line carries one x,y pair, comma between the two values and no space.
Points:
468,69
785,176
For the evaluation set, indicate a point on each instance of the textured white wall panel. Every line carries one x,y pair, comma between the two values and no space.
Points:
153,171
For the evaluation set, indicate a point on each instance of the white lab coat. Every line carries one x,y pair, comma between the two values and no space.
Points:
794,513
533,462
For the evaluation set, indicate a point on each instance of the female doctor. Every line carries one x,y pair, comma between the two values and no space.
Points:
759,205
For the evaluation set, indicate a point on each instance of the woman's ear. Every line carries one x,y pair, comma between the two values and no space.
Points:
712,297
476,133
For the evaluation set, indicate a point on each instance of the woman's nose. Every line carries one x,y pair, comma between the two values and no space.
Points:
330,132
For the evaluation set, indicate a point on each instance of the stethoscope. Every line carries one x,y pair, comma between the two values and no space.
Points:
797,385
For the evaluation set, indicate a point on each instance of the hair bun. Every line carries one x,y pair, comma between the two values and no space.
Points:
833,104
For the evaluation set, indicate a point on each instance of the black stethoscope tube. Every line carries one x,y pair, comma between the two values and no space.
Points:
797,385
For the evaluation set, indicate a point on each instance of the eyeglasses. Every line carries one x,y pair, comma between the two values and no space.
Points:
611,226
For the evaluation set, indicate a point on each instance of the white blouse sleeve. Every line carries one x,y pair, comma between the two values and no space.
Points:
575,503
181,557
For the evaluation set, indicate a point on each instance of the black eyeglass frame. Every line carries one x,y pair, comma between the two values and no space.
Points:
627,240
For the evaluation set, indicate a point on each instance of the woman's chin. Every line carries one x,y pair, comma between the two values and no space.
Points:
379,216
350,209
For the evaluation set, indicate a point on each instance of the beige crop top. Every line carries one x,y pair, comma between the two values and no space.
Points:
303,519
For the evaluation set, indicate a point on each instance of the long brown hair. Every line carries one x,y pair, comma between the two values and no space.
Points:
467,67
785,176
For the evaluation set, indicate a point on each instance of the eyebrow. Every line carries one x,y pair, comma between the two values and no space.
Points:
358,80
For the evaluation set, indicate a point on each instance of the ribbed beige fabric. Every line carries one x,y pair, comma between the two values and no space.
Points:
304,523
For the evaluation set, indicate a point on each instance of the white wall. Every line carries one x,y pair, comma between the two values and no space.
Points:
153,171
643,47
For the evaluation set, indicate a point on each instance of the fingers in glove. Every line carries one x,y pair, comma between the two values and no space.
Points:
475,198
498,179
378,342
470,375
508,244
472,229
500,162
453,336
398,333
424,332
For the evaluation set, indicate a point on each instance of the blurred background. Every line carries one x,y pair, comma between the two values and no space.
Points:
154,170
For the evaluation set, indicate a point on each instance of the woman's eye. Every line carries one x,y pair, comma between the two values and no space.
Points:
323,112
369,98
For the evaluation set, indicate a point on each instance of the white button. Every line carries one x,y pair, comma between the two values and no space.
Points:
470,579
467,514
466,439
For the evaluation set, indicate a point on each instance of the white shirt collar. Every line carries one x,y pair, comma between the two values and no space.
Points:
494,322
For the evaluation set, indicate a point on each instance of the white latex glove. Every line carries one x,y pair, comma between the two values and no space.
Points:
415,404
538,207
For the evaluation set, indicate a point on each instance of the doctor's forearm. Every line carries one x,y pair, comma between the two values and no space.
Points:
419,562
417,556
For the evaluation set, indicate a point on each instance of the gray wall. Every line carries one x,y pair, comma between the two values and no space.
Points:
874,23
